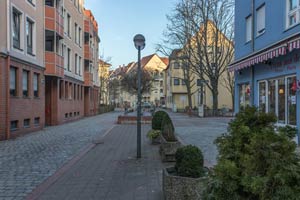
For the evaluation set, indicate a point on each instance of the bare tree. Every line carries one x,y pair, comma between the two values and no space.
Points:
113,87
204,30
129,82
104,79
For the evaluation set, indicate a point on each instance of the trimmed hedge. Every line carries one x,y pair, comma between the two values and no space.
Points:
167,127
189,162
157,120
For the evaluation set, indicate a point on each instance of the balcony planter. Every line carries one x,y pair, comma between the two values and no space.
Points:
182,188
168,149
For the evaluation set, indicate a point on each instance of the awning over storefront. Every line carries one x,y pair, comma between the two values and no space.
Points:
259,58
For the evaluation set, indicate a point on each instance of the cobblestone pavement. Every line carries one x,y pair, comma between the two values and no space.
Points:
200,132
110,171
27,161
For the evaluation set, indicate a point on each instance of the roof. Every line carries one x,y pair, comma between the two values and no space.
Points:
165,60
104,63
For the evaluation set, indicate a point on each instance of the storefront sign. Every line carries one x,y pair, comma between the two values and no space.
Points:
288,64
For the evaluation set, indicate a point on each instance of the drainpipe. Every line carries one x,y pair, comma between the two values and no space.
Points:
253,49
7,71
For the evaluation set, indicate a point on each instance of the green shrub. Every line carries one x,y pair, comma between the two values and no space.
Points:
255,161
167,127
189,162
152,134
157,119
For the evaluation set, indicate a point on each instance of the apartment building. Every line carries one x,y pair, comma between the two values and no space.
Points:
267,58
91,67
64,58
22,99
103,75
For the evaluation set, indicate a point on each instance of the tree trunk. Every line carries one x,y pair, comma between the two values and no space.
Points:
215,93
189,97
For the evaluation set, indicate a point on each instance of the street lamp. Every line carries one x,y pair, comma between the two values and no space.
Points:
139,43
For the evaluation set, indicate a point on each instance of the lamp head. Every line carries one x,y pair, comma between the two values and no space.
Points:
139,41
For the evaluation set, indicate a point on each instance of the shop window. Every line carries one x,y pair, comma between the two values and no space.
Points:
263,96
291,100
281,99
244,95
272,96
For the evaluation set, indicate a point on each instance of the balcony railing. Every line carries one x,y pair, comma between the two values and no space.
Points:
53,20
88,79
54,64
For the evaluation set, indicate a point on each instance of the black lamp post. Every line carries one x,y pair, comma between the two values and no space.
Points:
139,43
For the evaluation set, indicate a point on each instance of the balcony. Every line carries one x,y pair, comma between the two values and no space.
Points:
88,52
54,21
88,79
54,64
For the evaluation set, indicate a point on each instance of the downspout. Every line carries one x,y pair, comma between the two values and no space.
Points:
7,134
253,49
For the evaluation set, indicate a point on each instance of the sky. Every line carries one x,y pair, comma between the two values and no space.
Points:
120,20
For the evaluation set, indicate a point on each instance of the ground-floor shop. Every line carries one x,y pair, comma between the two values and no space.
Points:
272,83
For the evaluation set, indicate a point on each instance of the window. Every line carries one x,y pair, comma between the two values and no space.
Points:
32,2
49,36
293,12
260,17
49,3
14,125
36,85
61,89
16,28
13,81
249,28
66,115
262,96
29,36
76,37
69,59
25,78
26,123
69,25
79,66
74,92
176,81
36,121
183,82
76,63
176,65
244,95
79,37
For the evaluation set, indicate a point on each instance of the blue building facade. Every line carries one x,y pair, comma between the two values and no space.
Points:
267,58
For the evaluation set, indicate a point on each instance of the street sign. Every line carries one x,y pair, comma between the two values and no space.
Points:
201,82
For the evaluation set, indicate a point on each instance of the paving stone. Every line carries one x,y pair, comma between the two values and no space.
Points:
27,161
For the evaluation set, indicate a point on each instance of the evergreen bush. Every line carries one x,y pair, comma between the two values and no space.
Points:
157,120
167,127
189,162
256,161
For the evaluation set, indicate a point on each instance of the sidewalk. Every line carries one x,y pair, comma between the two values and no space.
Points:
110,171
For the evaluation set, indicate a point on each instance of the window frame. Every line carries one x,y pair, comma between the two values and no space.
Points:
30,50
176,79
13,91
17,42
290,12
261,30
249,17
25,93
36,88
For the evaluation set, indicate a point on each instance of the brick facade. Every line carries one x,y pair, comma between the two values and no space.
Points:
27,108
